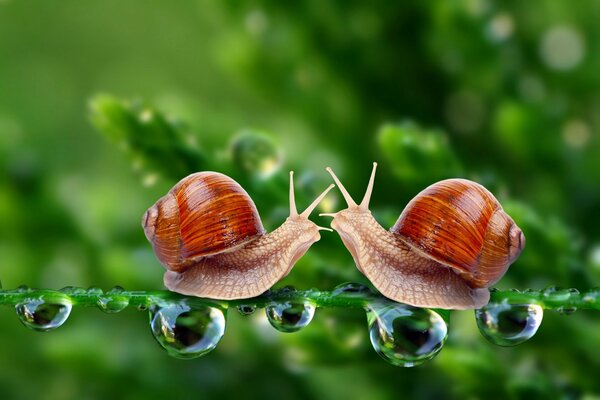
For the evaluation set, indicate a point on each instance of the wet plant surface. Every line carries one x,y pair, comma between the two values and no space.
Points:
406,336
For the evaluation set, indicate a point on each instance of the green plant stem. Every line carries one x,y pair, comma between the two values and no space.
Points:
548,298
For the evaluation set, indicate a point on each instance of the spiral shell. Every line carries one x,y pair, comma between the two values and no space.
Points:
205,214
460,224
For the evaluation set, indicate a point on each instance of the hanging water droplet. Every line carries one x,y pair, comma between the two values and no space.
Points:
352,289
403,335
290,316
246,309
566,310
186,332
509,324
44,314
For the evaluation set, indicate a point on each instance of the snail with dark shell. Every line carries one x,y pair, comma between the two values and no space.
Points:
207,233
450,243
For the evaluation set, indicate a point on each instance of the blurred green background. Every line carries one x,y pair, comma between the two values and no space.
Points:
104,105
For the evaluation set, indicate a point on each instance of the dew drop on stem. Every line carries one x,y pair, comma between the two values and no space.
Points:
113,301
352,289
186,332
509,324
559,294
403,335
44,314
290,316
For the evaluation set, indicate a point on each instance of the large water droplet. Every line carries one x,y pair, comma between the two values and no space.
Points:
290,316
403,335
187,332
509,324
113,301
43,315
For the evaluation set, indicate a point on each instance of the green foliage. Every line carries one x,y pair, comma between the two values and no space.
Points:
417,156
154,143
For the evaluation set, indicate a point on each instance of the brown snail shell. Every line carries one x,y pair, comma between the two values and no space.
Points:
204,214
459,223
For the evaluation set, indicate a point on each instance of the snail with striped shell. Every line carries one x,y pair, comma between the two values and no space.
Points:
207,233
450,243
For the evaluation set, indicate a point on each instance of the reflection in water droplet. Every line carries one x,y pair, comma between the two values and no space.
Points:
509,324
352,289
44,314
290,316
187,332
246,309
403,335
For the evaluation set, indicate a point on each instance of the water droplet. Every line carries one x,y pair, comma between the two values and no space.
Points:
186,332
592,295
44,314
246,309
286,290
71,290
566,310
95,291
403,335
509,324
352,289
256,152
23,289
290,316
559,294
113,301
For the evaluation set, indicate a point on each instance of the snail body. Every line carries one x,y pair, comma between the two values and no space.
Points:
207,233
450,243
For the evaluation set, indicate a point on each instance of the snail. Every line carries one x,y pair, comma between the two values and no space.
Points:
207,233
450,243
